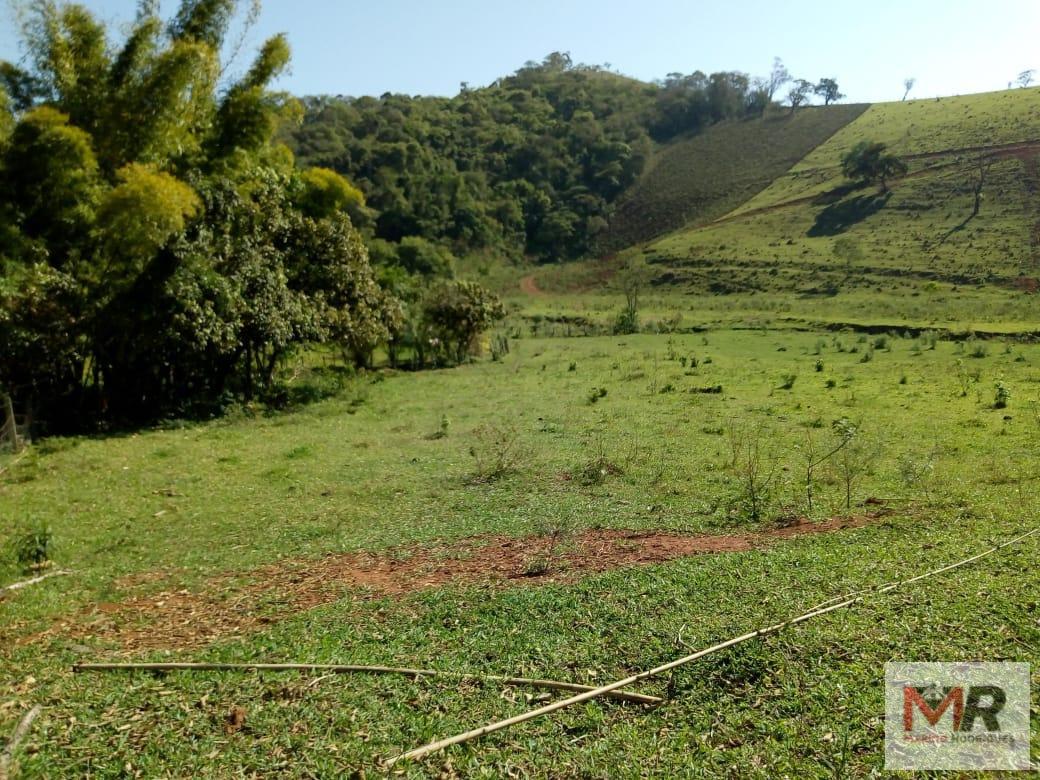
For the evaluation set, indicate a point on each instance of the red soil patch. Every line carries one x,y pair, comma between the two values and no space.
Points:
236,604
529,286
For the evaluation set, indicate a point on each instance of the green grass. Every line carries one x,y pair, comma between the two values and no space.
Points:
358,471
702,177
914,127
921,257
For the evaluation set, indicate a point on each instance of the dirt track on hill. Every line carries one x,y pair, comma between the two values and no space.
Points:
236,604
1022,150
529,286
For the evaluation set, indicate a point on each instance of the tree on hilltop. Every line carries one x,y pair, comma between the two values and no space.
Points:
828,90
799,93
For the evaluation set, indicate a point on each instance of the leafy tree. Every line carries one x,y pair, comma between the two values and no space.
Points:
455,313
51,184
828,90
325,193
799,93
908,84
137,217
1025,78
159,252
869,162
6,117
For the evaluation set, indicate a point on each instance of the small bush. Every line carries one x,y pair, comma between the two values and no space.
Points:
596,393
787,381
1003,396
32,548
626,322
537,565
499,346
819,365
496,451
596,471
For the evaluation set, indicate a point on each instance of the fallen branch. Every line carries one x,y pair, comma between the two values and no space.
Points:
33,581
433,747
14,462
636,698
21,730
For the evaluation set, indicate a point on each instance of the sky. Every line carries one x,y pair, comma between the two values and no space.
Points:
350,47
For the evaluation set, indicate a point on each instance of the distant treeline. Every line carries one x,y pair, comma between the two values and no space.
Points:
528,165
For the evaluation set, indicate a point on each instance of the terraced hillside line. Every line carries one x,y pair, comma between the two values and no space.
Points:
995,151
1026,150
1031,179
705,175
235,604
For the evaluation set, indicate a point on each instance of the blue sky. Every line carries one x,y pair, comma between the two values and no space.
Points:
423,47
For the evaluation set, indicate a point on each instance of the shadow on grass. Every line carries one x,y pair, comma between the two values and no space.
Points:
839,217
837,193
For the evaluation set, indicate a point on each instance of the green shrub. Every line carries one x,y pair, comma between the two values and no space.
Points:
1003,396
978,349
32,548
496,451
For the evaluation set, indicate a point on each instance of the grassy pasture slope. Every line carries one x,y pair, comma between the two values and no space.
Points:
917,244
704,176
359,471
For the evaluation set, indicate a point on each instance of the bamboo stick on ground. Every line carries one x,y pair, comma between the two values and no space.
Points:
433,747
636,698
26,583
16,739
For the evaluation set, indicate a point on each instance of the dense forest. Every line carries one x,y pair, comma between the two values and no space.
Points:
160,253
529,165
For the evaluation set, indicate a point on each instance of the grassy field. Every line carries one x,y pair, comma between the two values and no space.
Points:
954,245
647,433
702,177
538,515
921,130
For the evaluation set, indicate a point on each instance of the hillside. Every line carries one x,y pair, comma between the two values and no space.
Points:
922,239
533,164
701,177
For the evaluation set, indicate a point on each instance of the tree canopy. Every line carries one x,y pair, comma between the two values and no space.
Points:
869,162
159,250
531,164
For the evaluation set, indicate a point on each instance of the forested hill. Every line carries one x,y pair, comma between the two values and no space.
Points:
531,164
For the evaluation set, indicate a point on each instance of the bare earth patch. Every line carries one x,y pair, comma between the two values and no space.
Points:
238,603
